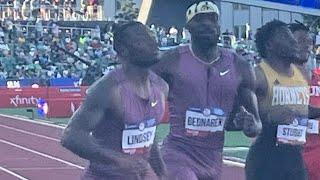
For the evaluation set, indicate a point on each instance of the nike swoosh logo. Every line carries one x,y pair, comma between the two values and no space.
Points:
153,104
225,72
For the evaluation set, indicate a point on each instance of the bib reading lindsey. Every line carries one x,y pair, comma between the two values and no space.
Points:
136,139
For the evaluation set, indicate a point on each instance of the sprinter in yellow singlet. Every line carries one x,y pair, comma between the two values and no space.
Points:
283,97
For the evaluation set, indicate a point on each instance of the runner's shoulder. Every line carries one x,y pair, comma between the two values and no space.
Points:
104,85
167,59
231,55
239,60
304,72
261,81
167,56
242,66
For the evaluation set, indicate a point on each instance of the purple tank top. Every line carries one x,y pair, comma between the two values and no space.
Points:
125,129
199,91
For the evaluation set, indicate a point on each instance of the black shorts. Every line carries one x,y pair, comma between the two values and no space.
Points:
267,161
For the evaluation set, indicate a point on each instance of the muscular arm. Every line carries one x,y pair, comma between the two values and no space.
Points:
230,123
77,136
247,98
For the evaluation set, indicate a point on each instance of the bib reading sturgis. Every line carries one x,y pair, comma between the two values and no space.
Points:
287,92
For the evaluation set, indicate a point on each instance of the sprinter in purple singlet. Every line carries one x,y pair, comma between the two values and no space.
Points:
207,86
115,126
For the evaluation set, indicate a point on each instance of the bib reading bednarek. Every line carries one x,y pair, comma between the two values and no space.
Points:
200,122
137,138
287,92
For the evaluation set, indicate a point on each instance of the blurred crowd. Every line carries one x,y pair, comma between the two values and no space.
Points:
51,9
45,52
37,51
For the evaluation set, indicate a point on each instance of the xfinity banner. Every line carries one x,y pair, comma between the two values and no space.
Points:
27,97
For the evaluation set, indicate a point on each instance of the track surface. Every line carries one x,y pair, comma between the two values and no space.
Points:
31,150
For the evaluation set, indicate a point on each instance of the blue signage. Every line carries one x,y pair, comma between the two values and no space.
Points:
311,3
3,83
292,2
305,3
64,82
20,83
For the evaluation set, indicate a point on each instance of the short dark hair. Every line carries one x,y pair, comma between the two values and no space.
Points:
120,33
298,26
265,33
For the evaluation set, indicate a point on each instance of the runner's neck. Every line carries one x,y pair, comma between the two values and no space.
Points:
206,54
136,74
139,79
280,65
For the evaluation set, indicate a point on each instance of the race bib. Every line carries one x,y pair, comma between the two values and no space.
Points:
136,139
313,126
202,122
294,133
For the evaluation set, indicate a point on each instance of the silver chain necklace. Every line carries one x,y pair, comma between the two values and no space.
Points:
203,62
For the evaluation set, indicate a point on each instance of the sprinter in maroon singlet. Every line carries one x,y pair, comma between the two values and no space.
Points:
311,153
204,82
115,126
